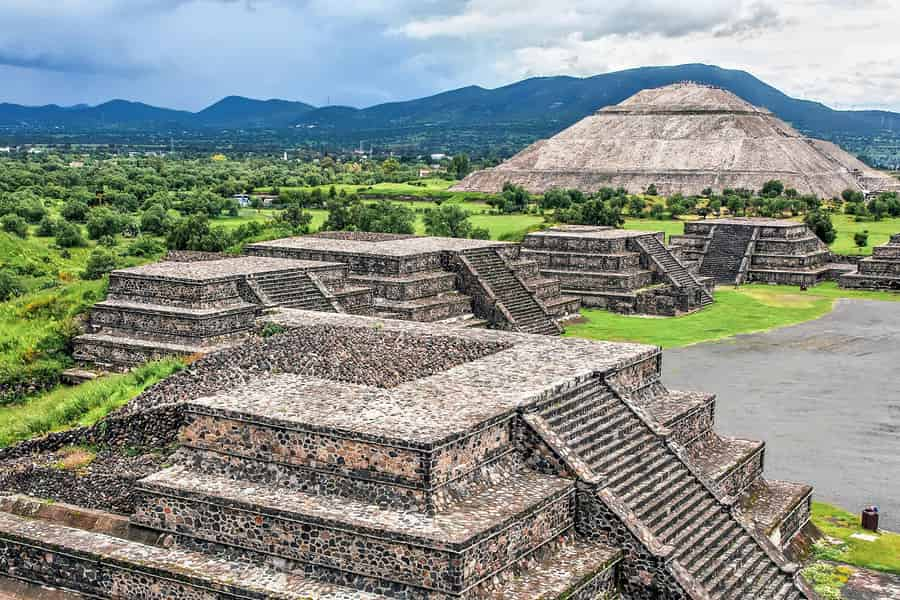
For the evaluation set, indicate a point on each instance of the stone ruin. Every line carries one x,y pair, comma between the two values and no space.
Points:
354,457
881,271
682,138
439,279
756,250
192,307
619,270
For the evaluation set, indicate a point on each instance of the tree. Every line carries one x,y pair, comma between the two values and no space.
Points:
103,221
15,225
47,226
68,235
861,238
296,218
10,286
651,190
772,188
515,198
194,233
339,213
557,198
99,263
75,211
155,220
636,206
852,196
820,223
450,220
460,166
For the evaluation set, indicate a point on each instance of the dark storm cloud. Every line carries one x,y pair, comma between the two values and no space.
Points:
189,53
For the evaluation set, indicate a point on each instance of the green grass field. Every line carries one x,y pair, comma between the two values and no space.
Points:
882,554
84,405
747,309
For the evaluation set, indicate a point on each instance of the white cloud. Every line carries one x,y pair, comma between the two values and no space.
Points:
186,53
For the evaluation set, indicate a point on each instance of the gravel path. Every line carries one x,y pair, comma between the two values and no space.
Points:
824,395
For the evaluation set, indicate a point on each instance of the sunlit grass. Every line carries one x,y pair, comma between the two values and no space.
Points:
747,309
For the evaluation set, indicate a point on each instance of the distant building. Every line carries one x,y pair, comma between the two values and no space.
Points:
76,164
6,150
266,200
438,157
243,200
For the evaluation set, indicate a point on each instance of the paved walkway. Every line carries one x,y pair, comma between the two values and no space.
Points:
871,585
824,395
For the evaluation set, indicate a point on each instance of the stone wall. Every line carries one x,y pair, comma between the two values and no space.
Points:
170,292
642,574
179,327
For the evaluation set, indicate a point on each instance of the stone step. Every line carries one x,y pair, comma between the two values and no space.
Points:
102,566
429,309
477,538
733,464
570,423
572,568
124,352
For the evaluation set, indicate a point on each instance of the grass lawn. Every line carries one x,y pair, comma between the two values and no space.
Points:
883,554
747,309
879,233
85,404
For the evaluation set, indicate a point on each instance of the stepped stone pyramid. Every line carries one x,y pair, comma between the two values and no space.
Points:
682,138
745,250
379,459
430,279
619,270
881,271
186,308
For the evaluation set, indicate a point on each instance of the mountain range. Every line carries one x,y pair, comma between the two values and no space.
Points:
535,107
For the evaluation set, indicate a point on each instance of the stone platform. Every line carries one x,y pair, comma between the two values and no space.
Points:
438,279
189,308
747,250
351,456
881,271
619,270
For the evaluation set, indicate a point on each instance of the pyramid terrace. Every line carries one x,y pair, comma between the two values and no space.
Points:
374,458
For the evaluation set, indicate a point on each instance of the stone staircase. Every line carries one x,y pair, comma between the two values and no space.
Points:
293,290
527,313
640,469
672,268
725,253
253,484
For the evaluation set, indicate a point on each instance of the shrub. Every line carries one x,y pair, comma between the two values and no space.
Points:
75,211
861,238
103,221
15,225
155,220
145,247
10,286
107,240
450,220
47,226
99,263
68,235
821,225
194,233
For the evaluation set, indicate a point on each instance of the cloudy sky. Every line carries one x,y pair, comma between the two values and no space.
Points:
189,53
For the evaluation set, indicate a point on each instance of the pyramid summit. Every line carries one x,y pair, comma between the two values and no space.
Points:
684,137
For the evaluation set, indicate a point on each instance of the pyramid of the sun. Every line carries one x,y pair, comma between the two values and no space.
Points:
682,138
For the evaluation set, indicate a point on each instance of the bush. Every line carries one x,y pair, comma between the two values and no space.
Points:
107,240
75,211
861,238
47,226
68,235
15,225
450,220
821,225
103,221
99,263
194,233
155,220
145,247
10,286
